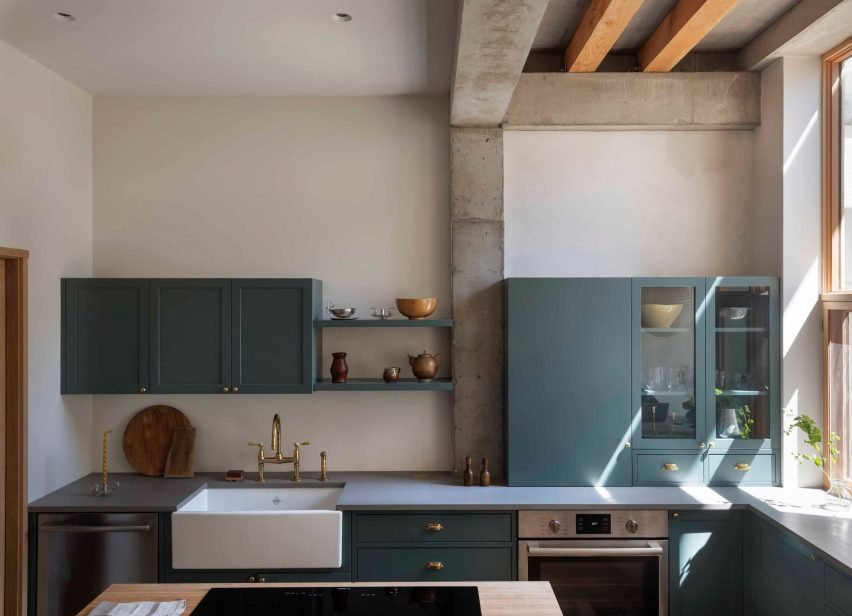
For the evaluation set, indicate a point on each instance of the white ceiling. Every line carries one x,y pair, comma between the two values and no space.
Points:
239,47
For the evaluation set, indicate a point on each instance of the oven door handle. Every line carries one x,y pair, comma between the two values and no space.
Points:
591,552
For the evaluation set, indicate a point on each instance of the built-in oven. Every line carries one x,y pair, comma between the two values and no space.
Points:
599,563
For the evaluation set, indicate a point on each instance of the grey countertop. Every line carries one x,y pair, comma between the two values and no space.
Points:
795,510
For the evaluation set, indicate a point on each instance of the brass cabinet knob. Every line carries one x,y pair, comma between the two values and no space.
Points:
742,466
434,527
225,390
711,445
251,579
143,390
670,466
627,445
675,515
235,389
435,565
702,445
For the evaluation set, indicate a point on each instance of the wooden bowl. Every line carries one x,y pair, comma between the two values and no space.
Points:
416,308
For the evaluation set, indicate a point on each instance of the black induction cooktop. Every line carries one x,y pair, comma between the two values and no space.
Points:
309,601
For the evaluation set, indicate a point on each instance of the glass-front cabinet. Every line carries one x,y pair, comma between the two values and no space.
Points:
668,363
742,361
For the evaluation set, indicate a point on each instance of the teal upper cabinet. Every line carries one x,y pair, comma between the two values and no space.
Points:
568,381
742,364
190,335
104,336
706,563
668,363
204,335
273,335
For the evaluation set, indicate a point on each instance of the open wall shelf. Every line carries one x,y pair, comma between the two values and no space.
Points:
371,322
443,384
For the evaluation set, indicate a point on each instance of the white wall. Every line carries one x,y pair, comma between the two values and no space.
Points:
354,191
46,208
628,203
802,336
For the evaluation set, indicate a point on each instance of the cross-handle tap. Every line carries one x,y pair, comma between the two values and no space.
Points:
297,460
260,461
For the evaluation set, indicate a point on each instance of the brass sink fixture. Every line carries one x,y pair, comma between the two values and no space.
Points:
278,457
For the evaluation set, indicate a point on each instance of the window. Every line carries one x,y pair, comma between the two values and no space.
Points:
837,251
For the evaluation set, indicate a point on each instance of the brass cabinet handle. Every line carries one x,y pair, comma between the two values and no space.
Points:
435,565
434,527
742,466
670,466
225,390
143,390
235,389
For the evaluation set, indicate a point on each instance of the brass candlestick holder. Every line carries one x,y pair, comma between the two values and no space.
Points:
105,487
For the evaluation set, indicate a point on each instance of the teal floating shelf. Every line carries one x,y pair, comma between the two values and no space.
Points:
371,322
734,330
380,385
666,330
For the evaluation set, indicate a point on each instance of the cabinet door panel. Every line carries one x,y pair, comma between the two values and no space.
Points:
413,564
743,398
190,335
272,336
706,563
105,336
789,575
568,382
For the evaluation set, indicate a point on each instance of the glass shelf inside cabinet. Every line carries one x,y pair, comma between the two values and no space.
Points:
668,363
742,362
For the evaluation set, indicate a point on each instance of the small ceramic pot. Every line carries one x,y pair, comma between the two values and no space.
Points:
391,375
339,368
424,366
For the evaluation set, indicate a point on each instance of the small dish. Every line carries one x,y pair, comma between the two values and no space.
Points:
381,313
340,313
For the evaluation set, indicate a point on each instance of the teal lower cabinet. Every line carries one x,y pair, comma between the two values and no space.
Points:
434,546
783,576
706,563
838,592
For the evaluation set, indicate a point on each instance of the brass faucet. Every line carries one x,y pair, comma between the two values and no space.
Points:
278,457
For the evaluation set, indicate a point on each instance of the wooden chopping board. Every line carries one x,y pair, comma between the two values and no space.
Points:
148,438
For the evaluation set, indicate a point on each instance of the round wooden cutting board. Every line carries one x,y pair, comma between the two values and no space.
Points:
148,438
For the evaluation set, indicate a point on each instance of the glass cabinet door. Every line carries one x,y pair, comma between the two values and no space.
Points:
668,347
742,363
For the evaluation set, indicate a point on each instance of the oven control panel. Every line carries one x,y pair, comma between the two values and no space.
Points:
647,523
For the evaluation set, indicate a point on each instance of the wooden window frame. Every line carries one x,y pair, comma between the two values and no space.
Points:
15,272
832,420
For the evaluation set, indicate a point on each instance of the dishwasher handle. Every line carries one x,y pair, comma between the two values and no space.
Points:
592,552
82,528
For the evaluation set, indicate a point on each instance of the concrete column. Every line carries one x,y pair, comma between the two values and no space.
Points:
476,197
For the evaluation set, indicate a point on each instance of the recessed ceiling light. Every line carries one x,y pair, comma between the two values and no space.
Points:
342,17
64,17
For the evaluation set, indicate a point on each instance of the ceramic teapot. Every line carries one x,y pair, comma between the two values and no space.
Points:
424,366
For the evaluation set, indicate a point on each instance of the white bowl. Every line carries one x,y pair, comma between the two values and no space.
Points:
660,315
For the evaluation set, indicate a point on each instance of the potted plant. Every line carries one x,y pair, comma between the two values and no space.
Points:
733,419
837,496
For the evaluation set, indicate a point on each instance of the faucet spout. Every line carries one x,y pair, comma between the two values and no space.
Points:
276,436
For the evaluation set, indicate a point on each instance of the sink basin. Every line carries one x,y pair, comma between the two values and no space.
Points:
258,528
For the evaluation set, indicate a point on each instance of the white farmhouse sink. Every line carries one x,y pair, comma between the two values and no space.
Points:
258,528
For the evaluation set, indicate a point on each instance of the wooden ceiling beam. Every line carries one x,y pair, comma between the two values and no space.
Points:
602,24
681,30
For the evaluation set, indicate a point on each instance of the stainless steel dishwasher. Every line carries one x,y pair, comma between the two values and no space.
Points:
80,554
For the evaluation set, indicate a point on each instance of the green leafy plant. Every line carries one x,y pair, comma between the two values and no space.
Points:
745,420
813,438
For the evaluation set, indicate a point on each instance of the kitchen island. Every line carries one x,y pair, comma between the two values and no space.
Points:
496,598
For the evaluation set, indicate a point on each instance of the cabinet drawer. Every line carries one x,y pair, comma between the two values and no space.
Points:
838,591
739,468
391,528
669,468
448,564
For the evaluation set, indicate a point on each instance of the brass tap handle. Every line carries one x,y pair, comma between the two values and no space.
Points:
323,466
302,444
297,460
260,461
435,565
258,445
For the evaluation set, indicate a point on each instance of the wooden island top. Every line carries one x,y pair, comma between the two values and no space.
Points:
496,598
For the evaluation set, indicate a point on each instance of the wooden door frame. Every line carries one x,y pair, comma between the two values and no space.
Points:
15,270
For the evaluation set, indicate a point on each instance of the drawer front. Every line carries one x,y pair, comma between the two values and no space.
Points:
838,591
393,528
739,468
669,468
434,564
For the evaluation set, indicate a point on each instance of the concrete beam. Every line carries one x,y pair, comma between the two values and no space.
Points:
494,39
667,101
476,211
809,28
